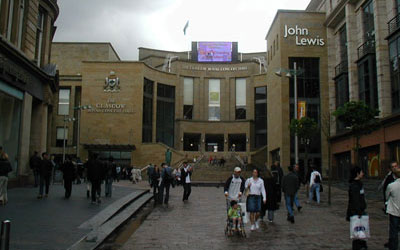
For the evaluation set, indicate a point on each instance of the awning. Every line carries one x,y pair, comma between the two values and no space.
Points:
110,147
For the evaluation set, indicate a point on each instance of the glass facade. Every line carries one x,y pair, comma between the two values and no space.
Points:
308,90
165,114
260,117
394,52
10,120
147,130
214,100
240,113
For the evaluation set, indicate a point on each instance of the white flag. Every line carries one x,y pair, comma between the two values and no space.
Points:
186,26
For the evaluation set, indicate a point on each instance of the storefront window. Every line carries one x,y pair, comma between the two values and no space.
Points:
10,118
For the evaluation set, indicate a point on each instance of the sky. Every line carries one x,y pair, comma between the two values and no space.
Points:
158,24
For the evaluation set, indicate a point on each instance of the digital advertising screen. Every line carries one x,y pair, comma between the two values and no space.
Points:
214,51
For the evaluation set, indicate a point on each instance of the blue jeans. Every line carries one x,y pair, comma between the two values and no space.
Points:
393,232
296,201
289,204
44,181
316,187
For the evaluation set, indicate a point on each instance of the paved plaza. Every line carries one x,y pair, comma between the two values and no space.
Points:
200,224
52,223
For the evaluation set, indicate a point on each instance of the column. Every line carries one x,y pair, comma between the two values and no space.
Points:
25,136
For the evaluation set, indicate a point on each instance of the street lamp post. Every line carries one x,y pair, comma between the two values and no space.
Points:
70,119
294,72
79,108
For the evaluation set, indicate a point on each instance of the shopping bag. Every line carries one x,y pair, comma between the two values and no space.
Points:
245,215
359,227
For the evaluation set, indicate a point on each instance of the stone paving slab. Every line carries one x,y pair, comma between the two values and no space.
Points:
52,223
200,224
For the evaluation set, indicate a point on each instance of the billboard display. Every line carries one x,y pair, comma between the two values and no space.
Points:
214,51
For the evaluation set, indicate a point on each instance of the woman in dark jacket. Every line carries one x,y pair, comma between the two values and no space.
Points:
357,204
271,189
155,179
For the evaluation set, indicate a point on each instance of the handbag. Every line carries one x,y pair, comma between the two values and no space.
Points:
359,227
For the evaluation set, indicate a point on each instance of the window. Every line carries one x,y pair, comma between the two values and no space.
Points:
39,37
147,130
394,53
63,101
260,117
61,134
343,44
165,114
342,94
214,113
214,143
21,22
10,15
188,98
367,81
368,19
240,113
191,142
237,142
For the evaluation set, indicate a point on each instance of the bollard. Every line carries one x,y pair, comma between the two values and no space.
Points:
5,235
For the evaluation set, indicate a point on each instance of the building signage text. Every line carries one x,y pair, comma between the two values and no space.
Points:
111,106
302,38
201,68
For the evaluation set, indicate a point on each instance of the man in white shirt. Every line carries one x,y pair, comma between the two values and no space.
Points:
234,186
186,176
315,184
393,209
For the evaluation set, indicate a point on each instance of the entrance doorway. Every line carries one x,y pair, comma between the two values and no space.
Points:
237,142
214,143
191,142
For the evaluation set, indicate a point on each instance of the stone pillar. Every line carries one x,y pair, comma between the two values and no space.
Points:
352,42
382,58
332,62
25,136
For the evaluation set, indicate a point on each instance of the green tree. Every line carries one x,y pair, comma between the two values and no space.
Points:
360,119
305,128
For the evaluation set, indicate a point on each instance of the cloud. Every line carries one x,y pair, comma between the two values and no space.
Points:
129,24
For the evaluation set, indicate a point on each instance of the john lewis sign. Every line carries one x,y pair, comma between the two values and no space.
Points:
303,37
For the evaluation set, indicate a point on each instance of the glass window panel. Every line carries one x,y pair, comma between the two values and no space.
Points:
214,92
241,92
63,101
60,133
126,155
188,91
214,113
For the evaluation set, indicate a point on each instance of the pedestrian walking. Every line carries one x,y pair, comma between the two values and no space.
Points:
69,174
277,172
167,179
155,183
393,209
109,166
271,194
45,171
34,164
234,186
315,185
150,169
95,176
5,168
290,186
256,188
297,171
357,204
186,176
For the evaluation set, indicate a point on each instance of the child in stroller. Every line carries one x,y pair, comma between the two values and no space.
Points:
235,220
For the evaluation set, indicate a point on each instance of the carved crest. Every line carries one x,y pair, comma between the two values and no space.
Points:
112,83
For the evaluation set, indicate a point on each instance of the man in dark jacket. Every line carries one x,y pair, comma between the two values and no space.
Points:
277,173
34,164
166,181
290,186
69,174
45,171
95,175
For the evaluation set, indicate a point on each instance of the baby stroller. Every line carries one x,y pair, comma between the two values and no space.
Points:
230,227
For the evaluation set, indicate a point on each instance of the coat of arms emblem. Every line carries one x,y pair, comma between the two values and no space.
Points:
112,83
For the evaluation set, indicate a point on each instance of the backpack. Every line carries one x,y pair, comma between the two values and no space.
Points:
317,179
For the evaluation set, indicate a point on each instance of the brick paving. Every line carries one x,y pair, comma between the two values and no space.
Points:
200,224
52,223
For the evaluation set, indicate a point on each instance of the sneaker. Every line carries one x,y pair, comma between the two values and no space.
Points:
253,227
299,208
257,225
270,221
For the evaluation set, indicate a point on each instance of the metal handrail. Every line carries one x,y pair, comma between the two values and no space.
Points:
394,24
366,48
